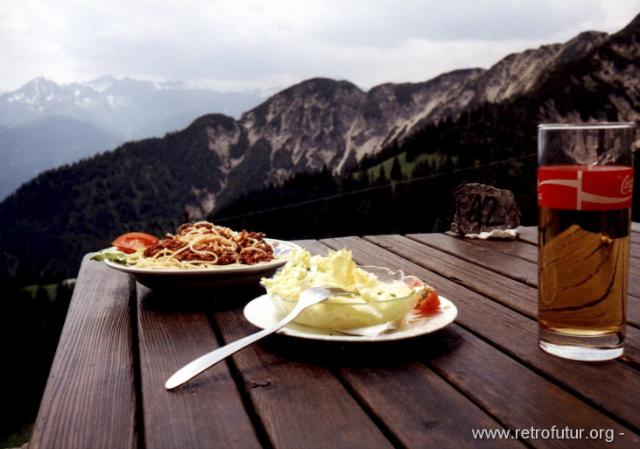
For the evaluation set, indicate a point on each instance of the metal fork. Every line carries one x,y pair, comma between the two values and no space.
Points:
308,298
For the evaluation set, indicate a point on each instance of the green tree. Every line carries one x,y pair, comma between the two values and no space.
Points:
396,170
381,179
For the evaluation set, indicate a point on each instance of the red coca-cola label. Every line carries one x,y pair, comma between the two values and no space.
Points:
580,187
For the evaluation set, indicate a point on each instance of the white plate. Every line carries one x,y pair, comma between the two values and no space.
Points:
262,313
224,275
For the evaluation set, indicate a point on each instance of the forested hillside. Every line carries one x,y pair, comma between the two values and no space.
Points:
48,225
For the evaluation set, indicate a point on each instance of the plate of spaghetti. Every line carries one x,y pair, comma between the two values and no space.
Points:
199,254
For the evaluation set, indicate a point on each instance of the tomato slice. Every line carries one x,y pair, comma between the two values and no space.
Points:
133,241
429,303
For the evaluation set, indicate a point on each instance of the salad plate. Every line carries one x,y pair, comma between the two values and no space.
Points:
262,313
223,275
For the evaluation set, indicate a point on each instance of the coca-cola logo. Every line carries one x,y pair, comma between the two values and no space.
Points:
627,185
574,187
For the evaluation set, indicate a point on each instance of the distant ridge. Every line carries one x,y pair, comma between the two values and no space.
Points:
113,109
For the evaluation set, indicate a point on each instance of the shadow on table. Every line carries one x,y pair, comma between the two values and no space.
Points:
391,353
198,300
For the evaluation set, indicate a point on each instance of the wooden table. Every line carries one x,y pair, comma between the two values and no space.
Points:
121,341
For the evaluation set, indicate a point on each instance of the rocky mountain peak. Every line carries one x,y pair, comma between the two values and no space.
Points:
224,136
514,74
304,97
215,121
37,90
632,28
580,45
321,87
101,83
322,122
40,82
306,122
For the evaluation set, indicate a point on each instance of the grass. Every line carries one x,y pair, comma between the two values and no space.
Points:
51,289
19,438
436,160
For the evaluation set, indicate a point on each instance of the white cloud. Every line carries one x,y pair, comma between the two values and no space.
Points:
239,44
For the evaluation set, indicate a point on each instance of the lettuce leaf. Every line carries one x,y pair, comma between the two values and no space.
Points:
112,255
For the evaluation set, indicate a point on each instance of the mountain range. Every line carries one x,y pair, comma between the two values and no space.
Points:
462,119
44,124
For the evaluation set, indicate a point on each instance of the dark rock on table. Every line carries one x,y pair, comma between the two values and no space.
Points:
483,208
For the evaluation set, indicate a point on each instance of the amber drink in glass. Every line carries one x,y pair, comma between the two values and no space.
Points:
585,183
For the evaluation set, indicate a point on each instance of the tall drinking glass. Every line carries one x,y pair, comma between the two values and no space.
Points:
585,182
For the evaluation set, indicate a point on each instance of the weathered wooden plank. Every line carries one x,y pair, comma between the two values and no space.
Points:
634,249
313,246
481,253
632,347
207,411
417,406
300,404
512,266
528,234
516,248
90,400
634,276
520,397
516,335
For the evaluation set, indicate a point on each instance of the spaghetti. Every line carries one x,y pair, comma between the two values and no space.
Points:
203,245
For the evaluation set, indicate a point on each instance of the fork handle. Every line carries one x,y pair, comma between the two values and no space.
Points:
206,361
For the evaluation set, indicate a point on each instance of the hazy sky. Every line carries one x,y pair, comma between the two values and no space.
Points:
266,44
